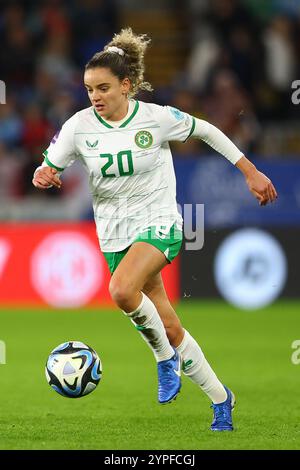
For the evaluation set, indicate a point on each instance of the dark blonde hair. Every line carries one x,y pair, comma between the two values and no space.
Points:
130,64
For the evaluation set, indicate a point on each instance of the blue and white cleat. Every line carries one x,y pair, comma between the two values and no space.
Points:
222,413
169,381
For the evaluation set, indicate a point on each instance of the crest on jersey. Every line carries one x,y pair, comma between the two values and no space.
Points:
143,139
91,145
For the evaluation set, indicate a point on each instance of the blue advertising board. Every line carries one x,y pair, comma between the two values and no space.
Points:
220,186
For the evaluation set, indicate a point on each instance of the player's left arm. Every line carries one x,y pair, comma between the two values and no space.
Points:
259,184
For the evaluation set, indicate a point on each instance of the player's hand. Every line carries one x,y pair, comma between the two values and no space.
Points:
261,187
46,177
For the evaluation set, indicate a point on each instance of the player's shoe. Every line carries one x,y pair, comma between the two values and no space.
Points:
169,381
222,413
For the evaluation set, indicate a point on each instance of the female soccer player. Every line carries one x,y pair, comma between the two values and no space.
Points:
124,146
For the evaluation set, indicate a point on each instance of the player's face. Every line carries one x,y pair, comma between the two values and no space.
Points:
107,93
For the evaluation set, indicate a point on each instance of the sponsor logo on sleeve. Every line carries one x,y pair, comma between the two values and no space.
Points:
55,137
179,115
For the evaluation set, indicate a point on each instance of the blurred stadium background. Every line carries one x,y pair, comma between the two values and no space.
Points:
231,62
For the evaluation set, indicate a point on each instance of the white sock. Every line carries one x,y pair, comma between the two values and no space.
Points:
195,366
148,322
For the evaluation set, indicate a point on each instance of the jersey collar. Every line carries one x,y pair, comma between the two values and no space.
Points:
124,124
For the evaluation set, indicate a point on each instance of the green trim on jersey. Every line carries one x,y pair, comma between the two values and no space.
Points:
192,129
169,244
102,120
51,164
136,107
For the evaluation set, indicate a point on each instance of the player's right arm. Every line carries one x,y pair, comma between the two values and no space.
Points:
45,177
60,154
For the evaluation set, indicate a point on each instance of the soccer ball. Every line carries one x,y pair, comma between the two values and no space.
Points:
73,369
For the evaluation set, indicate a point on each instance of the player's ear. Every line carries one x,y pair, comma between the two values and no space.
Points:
125,86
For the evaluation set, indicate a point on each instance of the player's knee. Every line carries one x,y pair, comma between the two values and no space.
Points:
120,291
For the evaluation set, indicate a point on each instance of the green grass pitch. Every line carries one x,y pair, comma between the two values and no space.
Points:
250,352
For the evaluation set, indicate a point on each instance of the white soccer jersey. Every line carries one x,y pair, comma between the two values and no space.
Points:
130,168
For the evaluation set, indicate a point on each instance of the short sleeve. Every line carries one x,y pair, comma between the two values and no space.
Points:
175,124
61,151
